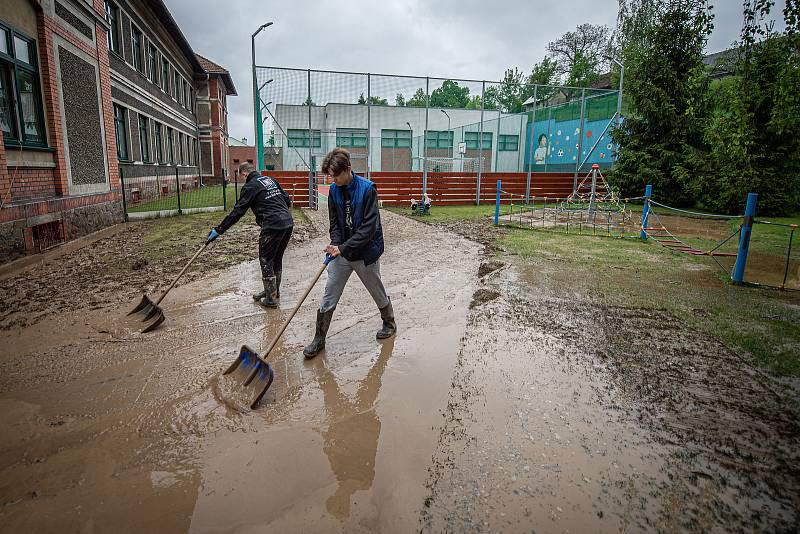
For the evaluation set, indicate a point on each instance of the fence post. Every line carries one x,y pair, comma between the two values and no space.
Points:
497,204
744,238
178,190
425,141
529,159
124,202
648,192
224,197
480,148
369,125
580,142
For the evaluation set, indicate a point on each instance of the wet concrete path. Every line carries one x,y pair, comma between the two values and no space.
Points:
106,429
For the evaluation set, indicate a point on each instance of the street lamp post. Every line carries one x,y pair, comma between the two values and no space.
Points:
619,92
259,129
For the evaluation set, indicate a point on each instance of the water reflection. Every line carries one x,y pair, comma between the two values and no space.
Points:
351,439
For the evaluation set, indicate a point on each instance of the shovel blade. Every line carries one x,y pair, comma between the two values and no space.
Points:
256,374
159,318
145,303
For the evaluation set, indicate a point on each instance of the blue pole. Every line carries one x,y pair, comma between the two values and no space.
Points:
744,238
648,192
497,205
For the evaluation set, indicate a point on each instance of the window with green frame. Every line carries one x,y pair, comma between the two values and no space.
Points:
164,75
144,138
396,138
170,146
508,143
349,138
471,138
138,50
439,139
21,113
152,64
299,138
112,17
159,141
121,132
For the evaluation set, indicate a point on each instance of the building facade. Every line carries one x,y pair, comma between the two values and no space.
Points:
90,91
212,118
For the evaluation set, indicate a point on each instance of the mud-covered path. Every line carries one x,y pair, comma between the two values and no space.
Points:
108,430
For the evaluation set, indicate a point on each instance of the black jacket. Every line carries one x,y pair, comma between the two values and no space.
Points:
359,237
267,199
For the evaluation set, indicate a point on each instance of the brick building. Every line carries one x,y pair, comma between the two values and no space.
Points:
212,114
89,89
240,152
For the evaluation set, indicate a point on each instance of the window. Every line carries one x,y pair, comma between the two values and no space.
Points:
159,141
121,132
138,58
144,138
165,75
471,139
347,138
176,85
170,146
191,99
21,114
508,143
152,65
299,138
434,139
396,138
112,16
186,94
181,154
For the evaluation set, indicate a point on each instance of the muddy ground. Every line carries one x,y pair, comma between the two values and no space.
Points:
514,398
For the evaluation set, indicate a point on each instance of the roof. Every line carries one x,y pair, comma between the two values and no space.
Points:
213,68
232,141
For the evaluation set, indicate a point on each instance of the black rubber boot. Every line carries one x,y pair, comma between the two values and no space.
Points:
268,300
278,284
323,323
260,295
389,326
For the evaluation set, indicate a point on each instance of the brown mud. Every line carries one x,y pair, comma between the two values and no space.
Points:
540,408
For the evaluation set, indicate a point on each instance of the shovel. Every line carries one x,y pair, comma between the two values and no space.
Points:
257,373
151,309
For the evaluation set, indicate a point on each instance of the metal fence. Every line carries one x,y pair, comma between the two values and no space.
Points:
165,190
402,124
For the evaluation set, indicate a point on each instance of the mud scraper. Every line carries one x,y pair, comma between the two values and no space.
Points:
254,369
151,310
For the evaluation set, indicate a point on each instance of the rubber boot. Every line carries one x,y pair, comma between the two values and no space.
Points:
268,300
260,295
323,323
389,326
278,284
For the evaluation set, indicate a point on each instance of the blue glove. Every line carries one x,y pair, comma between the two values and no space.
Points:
212,235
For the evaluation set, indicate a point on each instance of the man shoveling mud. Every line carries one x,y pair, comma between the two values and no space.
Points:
356,244
270,204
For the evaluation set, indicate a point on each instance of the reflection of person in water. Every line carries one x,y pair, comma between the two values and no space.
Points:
541,151
351,439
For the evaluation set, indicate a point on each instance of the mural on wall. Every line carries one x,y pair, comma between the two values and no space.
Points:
556,144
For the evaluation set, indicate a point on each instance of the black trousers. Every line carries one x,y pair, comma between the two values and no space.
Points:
271,246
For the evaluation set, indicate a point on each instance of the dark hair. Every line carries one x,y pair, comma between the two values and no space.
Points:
246,168
540,138
336,162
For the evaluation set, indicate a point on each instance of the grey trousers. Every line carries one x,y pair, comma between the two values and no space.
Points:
339,271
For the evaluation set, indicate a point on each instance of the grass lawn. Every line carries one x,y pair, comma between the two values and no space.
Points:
204,197
445,214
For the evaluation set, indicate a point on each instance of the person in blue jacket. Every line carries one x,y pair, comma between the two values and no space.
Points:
271,206
356,244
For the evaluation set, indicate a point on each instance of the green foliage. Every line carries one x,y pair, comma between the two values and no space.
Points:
399,100
450,95
663,144
373,100
419,100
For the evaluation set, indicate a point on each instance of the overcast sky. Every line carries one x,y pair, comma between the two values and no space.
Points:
472,39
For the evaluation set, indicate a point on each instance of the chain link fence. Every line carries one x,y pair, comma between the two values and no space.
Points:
409,124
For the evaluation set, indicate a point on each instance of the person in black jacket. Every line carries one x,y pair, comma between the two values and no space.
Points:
270,204
356,243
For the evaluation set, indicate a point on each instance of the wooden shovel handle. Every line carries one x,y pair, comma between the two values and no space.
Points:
297,306
164,294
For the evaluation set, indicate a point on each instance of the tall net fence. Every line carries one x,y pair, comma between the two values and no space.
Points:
427,132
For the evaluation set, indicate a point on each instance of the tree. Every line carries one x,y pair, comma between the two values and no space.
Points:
754,129
545,75
450,95
373,100
271,141
419,100
309,102
582,50
662,142
399,100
